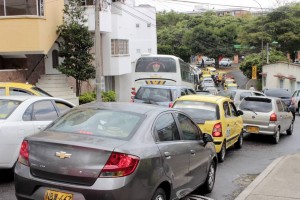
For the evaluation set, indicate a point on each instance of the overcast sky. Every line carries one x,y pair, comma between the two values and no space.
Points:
181,5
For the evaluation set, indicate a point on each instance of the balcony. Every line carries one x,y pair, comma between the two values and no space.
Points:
105,19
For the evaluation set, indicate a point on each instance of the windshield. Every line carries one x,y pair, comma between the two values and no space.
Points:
278,93
7,107
154,94
199,111
104,123
41,92
256,105
156,64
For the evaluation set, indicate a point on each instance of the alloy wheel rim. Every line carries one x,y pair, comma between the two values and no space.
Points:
159,197
211,176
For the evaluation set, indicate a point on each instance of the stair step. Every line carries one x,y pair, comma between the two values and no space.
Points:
46,81
52,85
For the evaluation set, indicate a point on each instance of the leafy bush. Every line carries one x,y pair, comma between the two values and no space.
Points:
87,97
109,96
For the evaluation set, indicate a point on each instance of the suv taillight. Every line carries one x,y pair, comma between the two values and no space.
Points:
273,117
119,164
133,93
217,130
24,153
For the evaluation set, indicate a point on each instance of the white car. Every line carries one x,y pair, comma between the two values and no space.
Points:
208,82
21,116
225,62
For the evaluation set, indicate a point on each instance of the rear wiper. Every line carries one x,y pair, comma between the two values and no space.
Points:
250,110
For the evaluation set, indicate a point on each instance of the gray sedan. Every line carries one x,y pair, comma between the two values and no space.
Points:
266,115
116,151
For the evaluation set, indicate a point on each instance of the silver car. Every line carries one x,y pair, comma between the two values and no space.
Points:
296,101
266,115
116,151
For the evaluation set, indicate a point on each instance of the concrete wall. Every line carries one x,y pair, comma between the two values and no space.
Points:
285,70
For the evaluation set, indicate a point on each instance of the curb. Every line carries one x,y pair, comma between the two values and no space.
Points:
258,179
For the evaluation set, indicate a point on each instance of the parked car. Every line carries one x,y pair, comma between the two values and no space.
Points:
296,100
225,62
266,115
283,94
163,95
209,62
13,89
238,95
21,116
109,151
217,116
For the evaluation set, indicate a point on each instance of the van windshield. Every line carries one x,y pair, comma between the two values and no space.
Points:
156,64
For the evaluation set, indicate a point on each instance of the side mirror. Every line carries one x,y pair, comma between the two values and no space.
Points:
207,138
240,112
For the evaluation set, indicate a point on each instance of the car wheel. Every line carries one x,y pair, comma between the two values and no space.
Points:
159,194
222,153
210,179
291,129
276,137
240,141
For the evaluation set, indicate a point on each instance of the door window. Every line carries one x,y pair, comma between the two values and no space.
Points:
226,109
2,91
44,111
166,129
233,109
189,130
279,106
62,107
27,116
18,91
258,94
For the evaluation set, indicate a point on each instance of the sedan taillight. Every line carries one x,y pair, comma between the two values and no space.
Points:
217,130
24,153
119,164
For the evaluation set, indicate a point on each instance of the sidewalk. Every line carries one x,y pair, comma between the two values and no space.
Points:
279,181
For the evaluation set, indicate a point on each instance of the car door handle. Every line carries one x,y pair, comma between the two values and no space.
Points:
167,155
193,152
41,127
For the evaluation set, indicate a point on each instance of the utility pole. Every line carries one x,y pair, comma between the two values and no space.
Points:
268,53
98,63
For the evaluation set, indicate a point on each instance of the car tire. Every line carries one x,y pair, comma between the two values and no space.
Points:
222,153
276,137
291,129
209,183
240,141
159,194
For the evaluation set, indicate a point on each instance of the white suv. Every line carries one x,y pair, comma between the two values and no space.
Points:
225,62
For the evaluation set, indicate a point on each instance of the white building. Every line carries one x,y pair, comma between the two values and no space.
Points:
127,31
281,75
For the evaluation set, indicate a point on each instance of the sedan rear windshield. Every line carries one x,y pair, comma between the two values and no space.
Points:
256,105
103,123
7,107
154,94
199,111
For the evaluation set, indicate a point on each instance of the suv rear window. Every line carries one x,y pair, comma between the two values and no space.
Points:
199,111
278,93
256,105
154,94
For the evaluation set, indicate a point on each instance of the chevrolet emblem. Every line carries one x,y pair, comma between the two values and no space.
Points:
63,155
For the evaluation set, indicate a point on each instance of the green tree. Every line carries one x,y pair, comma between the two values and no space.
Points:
76,45
256,59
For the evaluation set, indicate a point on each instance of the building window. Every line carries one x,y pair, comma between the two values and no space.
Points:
21,7
119,47
280,83
87,2
149,25
137,25
55,62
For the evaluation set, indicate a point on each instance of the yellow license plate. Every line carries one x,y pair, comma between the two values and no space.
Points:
54,195
252,129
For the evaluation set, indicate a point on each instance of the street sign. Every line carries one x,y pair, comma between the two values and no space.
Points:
254,72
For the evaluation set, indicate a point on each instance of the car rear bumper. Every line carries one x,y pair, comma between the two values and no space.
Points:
264,130
29,187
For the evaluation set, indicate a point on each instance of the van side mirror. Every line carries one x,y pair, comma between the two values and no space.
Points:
207,138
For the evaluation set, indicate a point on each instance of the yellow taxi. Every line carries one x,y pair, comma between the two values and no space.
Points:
222,75
217,116
228,81
209,70
12,88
